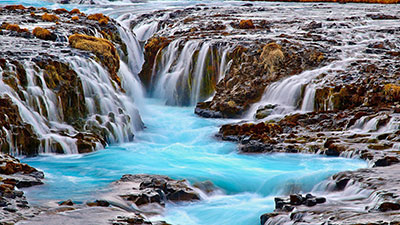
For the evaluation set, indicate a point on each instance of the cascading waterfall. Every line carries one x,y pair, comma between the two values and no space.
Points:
295,93
186,75
103,107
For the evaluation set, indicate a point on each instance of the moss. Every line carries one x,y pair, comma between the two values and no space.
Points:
75,18
60,11
42,33
50,17
246,24
13,27
392,92
75,11
102,48
15,7
103,20
272,56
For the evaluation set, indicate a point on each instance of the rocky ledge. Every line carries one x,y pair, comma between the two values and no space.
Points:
13,176
50,102
131,200
365,196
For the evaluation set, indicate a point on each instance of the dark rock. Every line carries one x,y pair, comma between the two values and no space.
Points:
9,209
155,189
310,202
279,203
341,184
100,203
386,161
320,200
67,202
388,206
296,199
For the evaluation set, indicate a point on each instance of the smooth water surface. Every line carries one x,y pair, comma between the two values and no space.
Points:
181,145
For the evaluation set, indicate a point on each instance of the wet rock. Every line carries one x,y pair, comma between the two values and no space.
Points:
13,175
205,186
388,206
99,203
67,202
145,189
382,17
386,161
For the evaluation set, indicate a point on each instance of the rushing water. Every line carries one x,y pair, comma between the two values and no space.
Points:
181,145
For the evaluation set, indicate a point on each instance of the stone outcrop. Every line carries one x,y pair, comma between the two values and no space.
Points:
15,175
376,197
130,201
42,83
146,189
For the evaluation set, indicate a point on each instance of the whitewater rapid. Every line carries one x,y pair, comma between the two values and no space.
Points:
181,145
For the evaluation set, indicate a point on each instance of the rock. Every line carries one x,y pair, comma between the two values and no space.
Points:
67,202
205,186
388,206
296,199
264,217
310,202
386,161
145,189
101,203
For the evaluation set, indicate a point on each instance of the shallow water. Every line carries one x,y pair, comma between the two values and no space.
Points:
181,145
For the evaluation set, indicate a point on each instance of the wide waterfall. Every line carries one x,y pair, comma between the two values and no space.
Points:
284,87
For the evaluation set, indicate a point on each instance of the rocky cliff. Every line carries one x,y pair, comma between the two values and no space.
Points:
61,82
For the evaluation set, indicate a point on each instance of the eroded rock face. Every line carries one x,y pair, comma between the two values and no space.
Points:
62,89
14,175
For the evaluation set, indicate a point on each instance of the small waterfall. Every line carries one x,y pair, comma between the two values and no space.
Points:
293,93
90,104
186,75
198,73
145,31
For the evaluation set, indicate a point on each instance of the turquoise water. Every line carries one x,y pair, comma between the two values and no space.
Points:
181,145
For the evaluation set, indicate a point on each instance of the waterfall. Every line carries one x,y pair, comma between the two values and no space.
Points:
294,93
186,75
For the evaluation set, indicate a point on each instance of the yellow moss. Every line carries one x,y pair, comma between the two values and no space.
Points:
33,14
103,20
271,56
13,27
50,17
246,24
75,11
59,11
75,18
24,30
41,33
392,91
14,7
102,48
